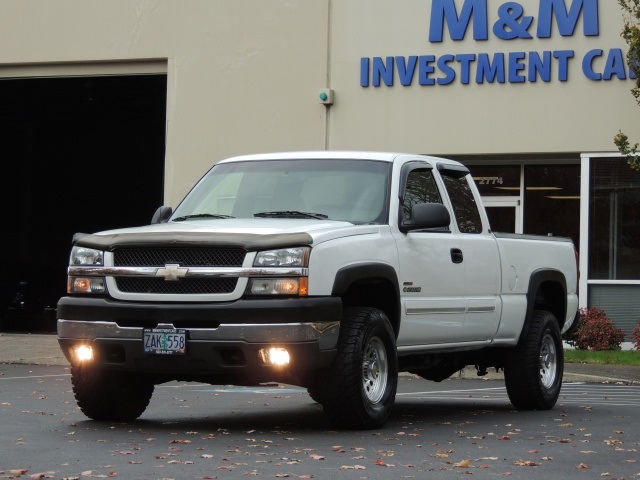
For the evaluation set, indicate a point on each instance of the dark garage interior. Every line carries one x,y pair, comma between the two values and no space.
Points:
79,154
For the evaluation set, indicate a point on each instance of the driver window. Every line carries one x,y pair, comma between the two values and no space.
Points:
421,188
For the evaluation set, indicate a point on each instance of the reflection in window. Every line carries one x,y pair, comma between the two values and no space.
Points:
552,201
421,188
614,224
464,205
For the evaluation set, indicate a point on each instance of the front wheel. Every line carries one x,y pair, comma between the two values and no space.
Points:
110,395
364,375
533,373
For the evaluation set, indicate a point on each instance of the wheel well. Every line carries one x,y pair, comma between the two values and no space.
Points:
551,296
374,292
547,291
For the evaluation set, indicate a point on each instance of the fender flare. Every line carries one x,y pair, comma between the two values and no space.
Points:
350,274
538,277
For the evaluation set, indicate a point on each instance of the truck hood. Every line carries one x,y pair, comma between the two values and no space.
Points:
250,234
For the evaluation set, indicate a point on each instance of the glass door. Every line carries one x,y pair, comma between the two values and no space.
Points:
504,214
501,191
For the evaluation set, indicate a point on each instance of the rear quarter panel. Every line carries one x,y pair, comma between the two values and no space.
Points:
521,256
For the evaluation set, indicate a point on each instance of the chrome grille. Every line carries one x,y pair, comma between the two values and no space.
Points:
184,286
185,257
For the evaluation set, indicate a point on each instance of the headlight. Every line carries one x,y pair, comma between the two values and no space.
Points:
286,257
86,256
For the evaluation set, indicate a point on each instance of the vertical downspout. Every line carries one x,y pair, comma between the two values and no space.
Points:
327,115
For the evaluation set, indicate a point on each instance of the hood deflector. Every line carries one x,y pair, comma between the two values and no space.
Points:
247,241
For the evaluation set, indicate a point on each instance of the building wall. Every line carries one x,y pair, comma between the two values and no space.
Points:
244,75
490,118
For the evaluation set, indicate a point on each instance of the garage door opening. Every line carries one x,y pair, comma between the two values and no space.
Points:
79,154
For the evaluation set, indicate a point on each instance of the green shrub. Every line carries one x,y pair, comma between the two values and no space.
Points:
596,331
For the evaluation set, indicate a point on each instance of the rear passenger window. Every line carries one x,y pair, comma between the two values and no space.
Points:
464,205
421,188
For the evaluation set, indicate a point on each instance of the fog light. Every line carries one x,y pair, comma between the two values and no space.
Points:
83,353
275,356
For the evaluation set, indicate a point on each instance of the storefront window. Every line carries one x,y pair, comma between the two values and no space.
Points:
497,180
614,223
552,201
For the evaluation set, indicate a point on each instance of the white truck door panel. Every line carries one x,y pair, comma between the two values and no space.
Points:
432,289
482,268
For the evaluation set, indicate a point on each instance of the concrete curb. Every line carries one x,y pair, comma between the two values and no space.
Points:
33,349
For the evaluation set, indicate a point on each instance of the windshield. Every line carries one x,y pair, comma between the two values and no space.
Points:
349,190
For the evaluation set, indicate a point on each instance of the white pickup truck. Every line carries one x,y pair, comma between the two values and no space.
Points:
333,271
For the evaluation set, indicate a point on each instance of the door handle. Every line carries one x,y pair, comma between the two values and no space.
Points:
456,255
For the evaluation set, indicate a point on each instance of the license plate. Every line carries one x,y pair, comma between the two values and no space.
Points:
164,341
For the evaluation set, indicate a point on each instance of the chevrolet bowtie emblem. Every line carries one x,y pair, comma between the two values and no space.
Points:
172,272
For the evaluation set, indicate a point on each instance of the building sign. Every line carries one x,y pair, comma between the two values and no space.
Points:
458,18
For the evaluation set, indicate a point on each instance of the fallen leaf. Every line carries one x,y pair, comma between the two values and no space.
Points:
380,463
463,463
504,437
525,463
582,466
316,456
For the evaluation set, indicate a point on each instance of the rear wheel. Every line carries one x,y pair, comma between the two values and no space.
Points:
110,395
533,373
364,376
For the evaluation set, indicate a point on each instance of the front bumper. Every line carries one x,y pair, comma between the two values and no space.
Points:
222,339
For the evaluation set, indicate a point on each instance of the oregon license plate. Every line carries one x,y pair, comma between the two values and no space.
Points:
164,341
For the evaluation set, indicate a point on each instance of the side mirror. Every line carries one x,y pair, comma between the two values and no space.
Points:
426,215
161,215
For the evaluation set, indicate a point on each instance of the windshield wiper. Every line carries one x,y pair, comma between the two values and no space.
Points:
291,214
201,215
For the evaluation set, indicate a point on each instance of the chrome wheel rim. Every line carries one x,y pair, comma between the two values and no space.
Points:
375,370
548,361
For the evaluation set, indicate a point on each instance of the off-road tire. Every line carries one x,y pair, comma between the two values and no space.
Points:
363,379
533,372
109,395
317,384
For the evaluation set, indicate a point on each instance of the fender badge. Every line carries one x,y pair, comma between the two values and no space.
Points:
172,272
408,287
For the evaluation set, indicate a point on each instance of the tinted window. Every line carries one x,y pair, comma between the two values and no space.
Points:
464,205
421,188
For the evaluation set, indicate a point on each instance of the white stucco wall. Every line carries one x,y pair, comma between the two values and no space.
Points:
572,116
243,77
